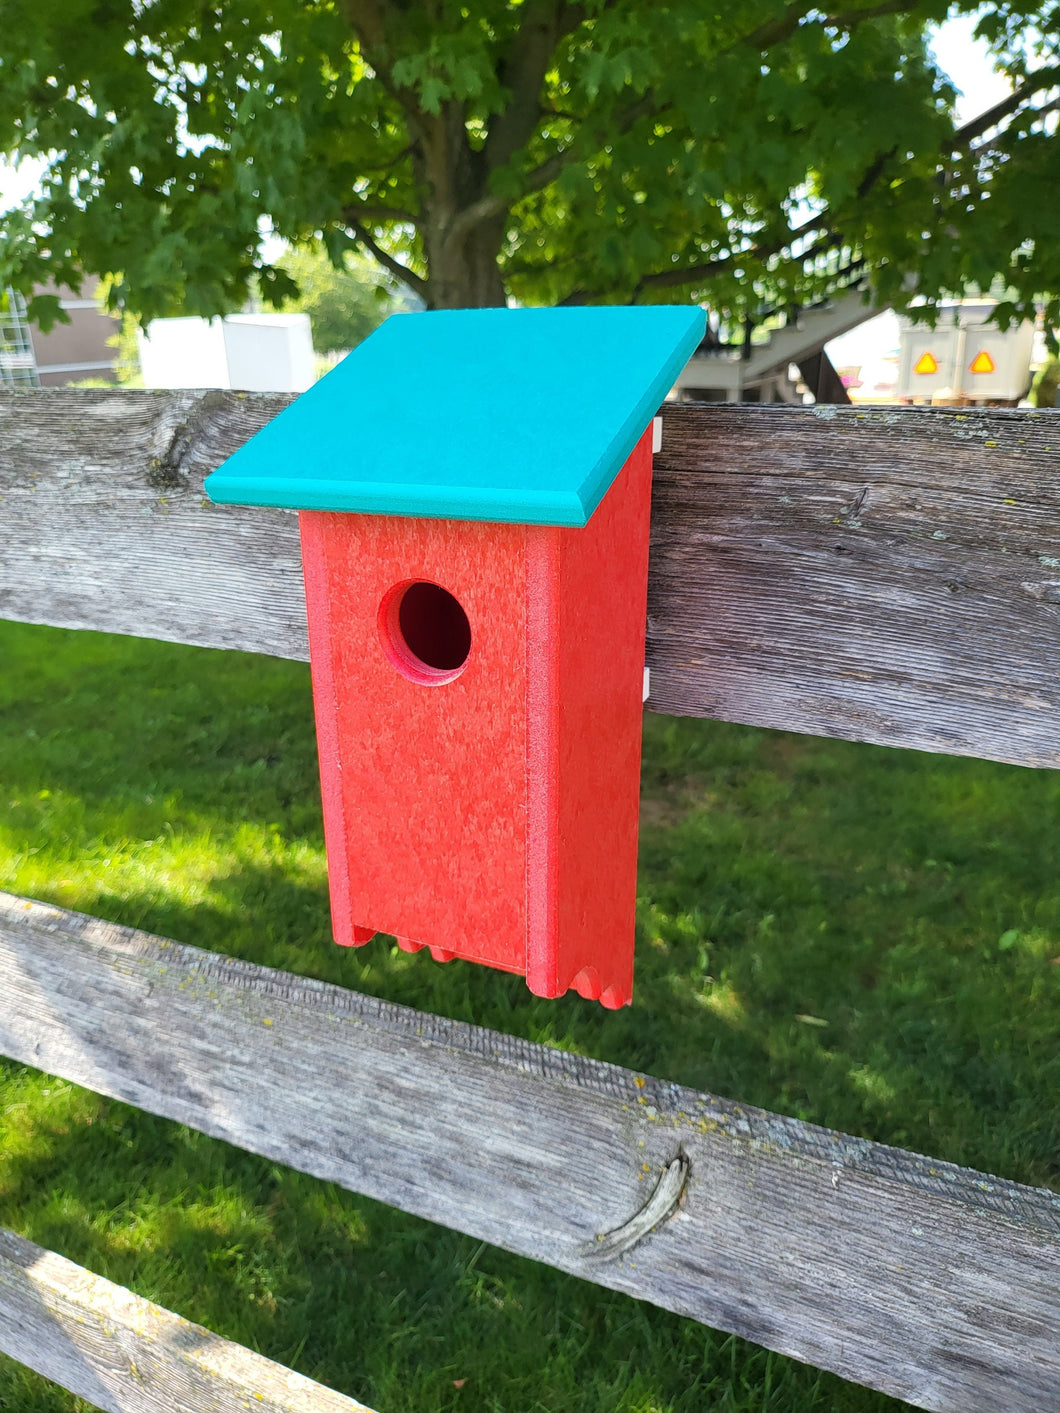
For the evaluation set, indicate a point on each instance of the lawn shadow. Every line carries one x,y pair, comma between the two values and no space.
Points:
878,929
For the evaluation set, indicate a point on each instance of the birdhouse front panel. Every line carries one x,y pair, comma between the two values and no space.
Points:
476,569
418,645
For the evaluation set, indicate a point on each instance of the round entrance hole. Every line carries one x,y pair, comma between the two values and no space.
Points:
425,632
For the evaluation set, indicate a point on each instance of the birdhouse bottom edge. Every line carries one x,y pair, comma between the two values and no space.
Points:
586,982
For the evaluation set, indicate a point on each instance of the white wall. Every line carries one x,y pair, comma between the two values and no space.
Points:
184,353
269,352
252,352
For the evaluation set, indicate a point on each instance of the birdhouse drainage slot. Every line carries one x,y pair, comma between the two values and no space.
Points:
425,632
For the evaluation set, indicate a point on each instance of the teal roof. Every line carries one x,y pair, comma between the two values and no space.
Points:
521,415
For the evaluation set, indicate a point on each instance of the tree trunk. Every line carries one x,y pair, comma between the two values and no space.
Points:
465,275
462,268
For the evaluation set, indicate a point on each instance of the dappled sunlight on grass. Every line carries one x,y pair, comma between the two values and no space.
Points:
860,937
725,1004
875,912
872,1085
163,868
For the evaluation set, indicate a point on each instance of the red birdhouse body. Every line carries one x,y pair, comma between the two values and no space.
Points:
476,561
485,808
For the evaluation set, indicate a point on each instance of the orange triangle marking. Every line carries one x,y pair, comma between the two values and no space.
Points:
982,362
926,363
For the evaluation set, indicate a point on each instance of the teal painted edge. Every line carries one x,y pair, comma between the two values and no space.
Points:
384,498
595,487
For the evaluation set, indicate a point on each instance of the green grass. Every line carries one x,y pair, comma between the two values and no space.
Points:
862,937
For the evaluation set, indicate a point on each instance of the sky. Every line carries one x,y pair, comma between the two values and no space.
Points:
969,66
16,185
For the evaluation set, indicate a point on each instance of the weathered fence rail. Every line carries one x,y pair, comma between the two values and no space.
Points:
126,1355
891,576
926,1280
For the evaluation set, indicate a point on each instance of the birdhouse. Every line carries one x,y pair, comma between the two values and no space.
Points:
474,494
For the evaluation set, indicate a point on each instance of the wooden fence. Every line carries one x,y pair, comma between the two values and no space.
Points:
890,575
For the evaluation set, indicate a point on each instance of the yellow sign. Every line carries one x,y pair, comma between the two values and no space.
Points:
927,363
982,362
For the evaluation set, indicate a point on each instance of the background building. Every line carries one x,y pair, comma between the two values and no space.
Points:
69,352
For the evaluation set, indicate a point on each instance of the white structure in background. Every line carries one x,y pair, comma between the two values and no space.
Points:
762,373
964,358
251,352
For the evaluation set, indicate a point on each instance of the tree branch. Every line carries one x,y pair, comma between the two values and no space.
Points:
776,30
850,19
366,18
1044,78
409,277
663,279
784,26
492,205
546,172
394,161
874,172
689,274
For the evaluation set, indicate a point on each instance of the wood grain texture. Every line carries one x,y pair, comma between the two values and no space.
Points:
104,523
925,1280
126,1355
880,574
888,575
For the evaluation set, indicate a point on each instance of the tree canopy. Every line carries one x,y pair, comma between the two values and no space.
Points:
551,150
344,303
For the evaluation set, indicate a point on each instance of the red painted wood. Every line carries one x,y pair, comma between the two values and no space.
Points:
423,784
486,811
589,599
326,711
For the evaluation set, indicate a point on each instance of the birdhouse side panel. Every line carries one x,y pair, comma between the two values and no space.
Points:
586,864
422,756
